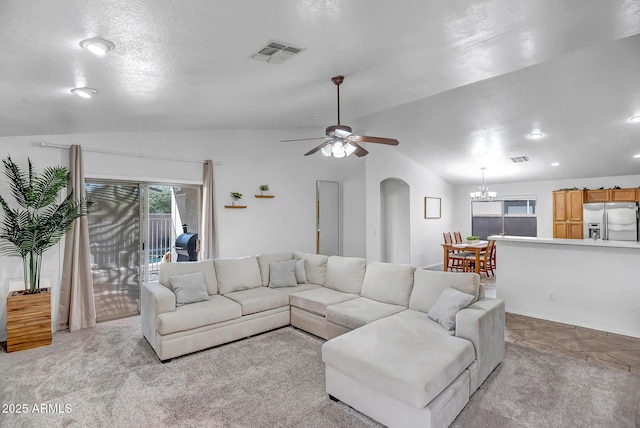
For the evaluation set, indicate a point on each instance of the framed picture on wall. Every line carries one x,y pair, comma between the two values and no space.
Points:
432,207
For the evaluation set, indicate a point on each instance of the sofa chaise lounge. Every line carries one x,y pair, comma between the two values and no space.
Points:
398,348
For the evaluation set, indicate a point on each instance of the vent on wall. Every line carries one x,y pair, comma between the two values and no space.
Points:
519,159
276,53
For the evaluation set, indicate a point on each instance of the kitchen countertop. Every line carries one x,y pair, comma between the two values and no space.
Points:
559,241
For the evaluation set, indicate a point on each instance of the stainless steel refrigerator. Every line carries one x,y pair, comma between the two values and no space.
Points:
613,221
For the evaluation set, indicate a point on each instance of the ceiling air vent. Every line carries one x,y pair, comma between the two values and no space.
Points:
276,53
519,159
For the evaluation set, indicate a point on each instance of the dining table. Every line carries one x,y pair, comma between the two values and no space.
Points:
476,248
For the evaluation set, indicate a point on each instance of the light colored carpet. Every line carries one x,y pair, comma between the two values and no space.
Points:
109,376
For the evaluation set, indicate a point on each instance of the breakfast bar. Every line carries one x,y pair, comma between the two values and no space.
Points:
584,282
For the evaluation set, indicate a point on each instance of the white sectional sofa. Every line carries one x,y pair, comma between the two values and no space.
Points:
406,347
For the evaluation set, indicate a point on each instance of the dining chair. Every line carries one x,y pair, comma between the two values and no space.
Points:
493,256
456,259
485,260
447,238
458,237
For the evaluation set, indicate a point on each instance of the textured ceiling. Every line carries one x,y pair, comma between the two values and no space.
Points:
459,83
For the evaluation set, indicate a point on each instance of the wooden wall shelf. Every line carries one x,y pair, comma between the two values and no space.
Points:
265,196
235,206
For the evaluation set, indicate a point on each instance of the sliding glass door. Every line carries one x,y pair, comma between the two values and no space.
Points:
132,230
115,243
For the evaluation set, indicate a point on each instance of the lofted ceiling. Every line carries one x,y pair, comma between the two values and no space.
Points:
460,83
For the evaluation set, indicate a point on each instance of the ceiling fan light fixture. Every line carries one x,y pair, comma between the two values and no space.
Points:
338,150
99,47
326,149
349,148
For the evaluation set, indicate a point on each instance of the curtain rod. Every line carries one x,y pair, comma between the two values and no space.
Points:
135,155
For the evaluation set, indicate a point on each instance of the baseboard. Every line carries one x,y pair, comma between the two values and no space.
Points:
572,322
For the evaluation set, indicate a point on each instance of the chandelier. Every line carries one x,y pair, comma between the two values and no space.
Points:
484,194
338,148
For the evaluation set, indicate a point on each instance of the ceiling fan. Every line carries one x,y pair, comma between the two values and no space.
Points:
340,141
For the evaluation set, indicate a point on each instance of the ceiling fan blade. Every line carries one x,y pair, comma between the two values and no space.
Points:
315,149
379,140
360,151
303,139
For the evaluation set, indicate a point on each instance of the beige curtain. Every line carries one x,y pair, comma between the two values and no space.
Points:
77,308
208,244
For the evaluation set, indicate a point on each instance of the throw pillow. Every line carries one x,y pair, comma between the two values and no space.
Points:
189,288
448,305
301,275
282,274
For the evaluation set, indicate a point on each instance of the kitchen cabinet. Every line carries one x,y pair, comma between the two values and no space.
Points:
567,214
599,195
559,206
623,195
574,205
559,229
574,230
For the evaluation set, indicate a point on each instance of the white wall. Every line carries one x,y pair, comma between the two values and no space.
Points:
395,221
249,158
541,190
426,234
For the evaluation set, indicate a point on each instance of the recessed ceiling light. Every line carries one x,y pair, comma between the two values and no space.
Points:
98,47
84,92
555,164
635,119
536,135
636,156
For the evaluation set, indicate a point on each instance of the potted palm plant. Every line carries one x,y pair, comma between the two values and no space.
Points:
37,224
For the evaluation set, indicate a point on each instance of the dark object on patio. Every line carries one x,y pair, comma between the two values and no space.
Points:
187,246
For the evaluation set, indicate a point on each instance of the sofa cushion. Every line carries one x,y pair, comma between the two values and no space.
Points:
376,355
189,288
300,287
259,299
283,274
315,266
301,274
316,300
358,312
237,274
428,285
205,266
345,274
216,309
450,302
388,283
265,259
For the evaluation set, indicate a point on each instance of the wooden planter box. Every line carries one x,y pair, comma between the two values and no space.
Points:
28,320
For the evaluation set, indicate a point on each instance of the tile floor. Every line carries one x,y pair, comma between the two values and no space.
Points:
599,347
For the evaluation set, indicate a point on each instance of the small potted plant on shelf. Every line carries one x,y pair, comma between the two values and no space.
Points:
235,196
263,188
473,239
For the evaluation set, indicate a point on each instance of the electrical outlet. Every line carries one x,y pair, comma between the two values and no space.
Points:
551,296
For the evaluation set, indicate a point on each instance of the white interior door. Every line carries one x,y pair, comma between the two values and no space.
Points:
328,217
